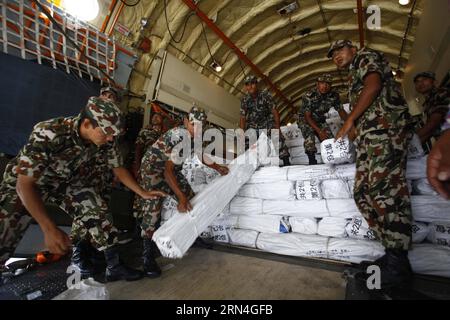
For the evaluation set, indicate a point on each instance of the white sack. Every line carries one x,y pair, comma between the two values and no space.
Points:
297,152
220,228
430,259
420,231
335,189
300,160
358,228
242,237
246,206
296,208
297,142
423,187
416,168
308,190
430,208
266,223
344,171
291,132
337,151
332,227
296,173
281,190
293,244
354,251
351,185
343,208
415,149
439,233
303,225
269,174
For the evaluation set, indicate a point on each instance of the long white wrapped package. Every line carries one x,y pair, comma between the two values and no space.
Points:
415,149
335,189
358,228
246,206
416,168
322,171
430,208
420,231
343,208
303,225
308,190
269,174
293,244
337,151
242,237
439,233
332,227
265,223
281,190
176,236
345,171
354,251
423,187
430,259
220,228
296,208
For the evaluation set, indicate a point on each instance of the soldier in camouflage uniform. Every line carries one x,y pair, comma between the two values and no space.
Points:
146,138
258,112
383,131
160,170
435,106
49,168
316,103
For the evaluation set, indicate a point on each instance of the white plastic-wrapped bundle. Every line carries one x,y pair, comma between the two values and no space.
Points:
246,206
281,190
344,171
300,160
439,233
321,172
207,233
430,259
358,228
297,152
303,225
343,208
415,149
176,236
420,231
335,189
354,251
296,208
308,190
291,132
423,187
269,174
166,214
351,186
242,237
337,151
430,208
291,143
265,223
332,227
416,168
293,244
410,186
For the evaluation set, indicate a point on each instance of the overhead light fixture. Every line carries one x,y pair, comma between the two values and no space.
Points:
394,72
403,2
216,66
85,10
289,124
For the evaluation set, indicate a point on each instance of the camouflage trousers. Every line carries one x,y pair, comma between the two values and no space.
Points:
380,190
88,210
148,212
309,135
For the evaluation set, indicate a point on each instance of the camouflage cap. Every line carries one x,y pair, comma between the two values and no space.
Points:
197,114
326,77
338,44
250,79
106,114
109,89
425,74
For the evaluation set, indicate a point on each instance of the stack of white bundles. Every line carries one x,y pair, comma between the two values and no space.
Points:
430,208
439,233
308,190
269,174
343,208
354,251
291,132
242,237
351,186
207,233
416,168
358,228
176,236
415,149
345,171
246,206
332,227
296,208
293,244
335,189
281,190
321,172
266,223
303,225
420,231
337,151
297,152
423,187
430,259
220,228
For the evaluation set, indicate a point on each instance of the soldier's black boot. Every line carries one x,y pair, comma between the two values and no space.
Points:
151,268
81,259
312,158
396,269
115,270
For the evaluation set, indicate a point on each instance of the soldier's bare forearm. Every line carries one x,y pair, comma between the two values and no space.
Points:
276,117
372,87
138,154
312,123
433,122
128,180
242,123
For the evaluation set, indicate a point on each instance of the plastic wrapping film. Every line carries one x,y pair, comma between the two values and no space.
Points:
332,227
335,189
303,225
423,187
430,259
296,208
337,151
439,233
430,208
281,190
246,206
308,190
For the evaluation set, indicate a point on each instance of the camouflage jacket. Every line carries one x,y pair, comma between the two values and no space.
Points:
437,101
319,104
56,154
389,110
147,136
258,112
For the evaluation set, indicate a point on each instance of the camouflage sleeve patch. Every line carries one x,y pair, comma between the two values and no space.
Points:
269,100
141,136
115,158
369,62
